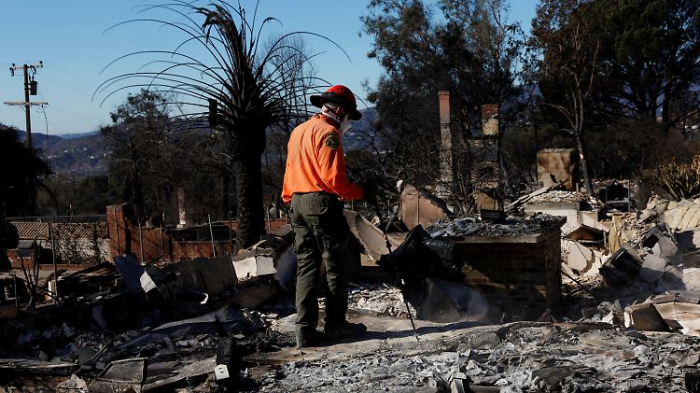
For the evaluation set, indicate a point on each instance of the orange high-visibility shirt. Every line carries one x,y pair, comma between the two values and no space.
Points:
315,161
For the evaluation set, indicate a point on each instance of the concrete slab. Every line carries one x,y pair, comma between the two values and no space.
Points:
591,218
254,262
383,333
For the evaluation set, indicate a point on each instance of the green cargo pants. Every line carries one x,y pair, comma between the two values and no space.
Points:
320,233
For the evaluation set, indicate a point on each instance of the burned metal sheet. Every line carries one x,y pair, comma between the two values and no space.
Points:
36,367
224,320
622,267
120,376
183,371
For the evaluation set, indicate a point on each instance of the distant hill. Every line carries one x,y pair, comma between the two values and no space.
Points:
88,154
80,155
38,139
79,135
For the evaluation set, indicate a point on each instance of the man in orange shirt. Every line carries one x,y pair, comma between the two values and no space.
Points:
316,185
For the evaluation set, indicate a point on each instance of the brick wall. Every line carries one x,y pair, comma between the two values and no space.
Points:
17,261
522,276
127,237
117,229
197,249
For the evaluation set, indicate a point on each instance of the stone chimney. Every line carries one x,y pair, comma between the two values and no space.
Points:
445,186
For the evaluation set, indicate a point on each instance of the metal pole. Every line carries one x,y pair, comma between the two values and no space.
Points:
230,234
14,278
269,221
629,194
27,110
211,234
141,241
55,270
418,209
605,241
162,252
116,224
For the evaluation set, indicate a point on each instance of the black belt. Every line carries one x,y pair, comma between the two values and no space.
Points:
317,192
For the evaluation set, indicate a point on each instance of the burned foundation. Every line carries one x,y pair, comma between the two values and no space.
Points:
521,275
516,266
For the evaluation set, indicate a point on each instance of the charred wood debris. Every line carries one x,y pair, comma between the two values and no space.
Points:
560,292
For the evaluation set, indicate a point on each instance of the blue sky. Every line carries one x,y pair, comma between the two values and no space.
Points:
69,37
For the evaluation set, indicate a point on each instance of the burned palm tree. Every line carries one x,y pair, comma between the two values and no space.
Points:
241,83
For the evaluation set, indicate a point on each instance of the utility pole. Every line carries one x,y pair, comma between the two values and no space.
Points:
30,88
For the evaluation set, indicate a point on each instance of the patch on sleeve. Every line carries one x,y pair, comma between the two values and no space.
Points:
331,140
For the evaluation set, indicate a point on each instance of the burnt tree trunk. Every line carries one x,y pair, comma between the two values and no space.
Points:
225,183
248,147
584,163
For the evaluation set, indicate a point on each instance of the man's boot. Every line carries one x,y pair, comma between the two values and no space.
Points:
345,330
309,338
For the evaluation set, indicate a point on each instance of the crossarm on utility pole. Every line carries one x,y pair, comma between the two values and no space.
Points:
22,103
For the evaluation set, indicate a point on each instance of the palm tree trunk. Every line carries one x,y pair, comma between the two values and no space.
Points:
247,169
225,180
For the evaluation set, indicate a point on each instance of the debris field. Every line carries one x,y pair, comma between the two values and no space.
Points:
592,299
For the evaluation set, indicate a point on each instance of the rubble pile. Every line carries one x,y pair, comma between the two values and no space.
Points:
556,196
520,357
379,299
133,326
649,279
369,298
513,227
170,355
437,307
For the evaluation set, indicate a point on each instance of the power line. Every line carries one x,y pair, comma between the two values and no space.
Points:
69,87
